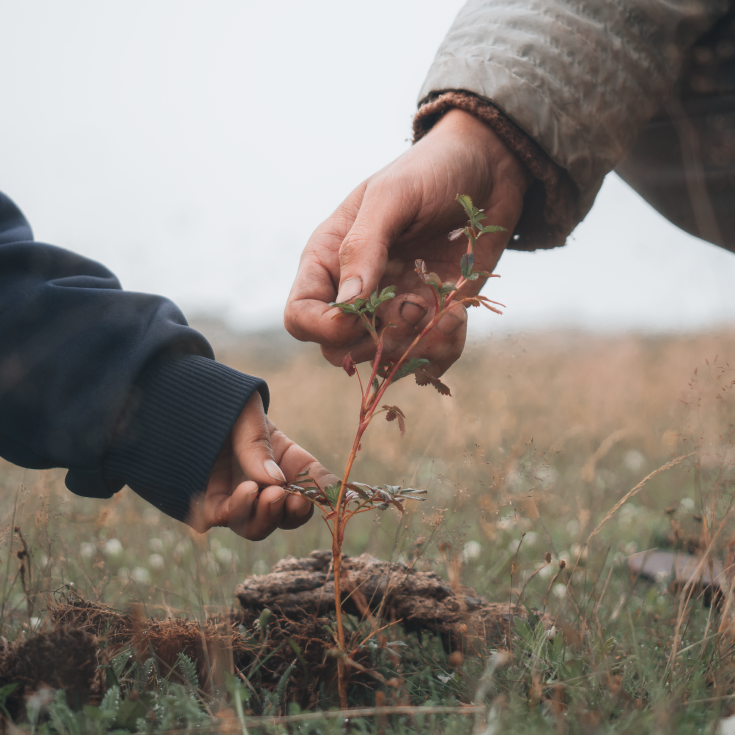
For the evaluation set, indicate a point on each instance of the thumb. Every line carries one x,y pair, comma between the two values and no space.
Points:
363,255
251,445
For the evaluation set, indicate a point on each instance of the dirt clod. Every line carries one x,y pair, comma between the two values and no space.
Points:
422,601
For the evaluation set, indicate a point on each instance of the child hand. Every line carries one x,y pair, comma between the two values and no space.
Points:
246,487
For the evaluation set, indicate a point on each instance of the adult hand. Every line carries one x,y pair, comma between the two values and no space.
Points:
405,212
246,491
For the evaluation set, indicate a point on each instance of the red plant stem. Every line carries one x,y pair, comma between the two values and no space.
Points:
367,411
338,536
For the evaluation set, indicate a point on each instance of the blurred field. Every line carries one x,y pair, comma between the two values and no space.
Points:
527,414
542,435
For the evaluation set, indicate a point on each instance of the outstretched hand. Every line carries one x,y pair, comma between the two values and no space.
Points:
246,491
403,213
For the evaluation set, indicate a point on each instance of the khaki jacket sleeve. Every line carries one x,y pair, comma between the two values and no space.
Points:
579,78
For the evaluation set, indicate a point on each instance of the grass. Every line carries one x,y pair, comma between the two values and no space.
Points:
560,429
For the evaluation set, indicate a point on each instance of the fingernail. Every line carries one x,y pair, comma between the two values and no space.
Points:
303,509
274,471
276,505
349,289
412,313
449,324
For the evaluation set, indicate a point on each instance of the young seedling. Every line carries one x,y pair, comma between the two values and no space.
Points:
344,500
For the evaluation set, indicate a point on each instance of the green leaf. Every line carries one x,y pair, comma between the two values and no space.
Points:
235,689
332,493
129,712
110,702
523,629
358,487
188,669
410,366
447,288
466,264
264,618
473,277
493,228
297,650
467,204
557,648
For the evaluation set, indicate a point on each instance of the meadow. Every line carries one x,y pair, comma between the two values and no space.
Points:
543,435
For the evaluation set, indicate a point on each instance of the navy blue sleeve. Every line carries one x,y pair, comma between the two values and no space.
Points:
110,384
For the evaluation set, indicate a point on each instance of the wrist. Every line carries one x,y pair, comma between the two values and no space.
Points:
505,166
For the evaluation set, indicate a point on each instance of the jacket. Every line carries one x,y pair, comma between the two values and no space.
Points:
112,385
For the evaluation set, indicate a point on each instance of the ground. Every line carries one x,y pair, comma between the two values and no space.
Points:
542,436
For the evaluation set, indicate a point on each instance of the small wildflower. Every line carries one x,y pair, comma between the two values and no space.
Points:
140,574
113,547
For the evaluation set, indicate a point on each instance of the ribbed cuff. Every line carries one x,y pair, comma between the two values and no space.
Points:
551,204
179,416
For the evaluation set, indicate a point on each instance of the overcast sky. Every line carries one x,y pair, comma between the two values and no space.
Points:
166,138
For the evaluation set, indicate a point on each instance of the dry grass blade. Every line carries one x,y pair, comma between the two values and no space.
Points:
346,714
617,507
633,492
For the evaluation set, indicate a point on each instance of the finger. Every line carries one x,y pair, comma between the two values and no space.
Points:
361,350
297,511
295,460
266,514
308,316
407,314
387,209
237,510
443,345
252,447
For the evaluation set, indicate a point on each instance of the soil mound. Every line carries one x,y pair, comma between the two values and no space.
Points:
422,601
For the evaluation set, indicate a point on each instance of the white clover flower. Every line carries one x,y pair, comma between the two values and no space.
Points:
155,544
183,546
155,561
140,574
513,545
559,590
634,460
546,571
530,539
687,504
224,555
113,547
87,550
471,550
